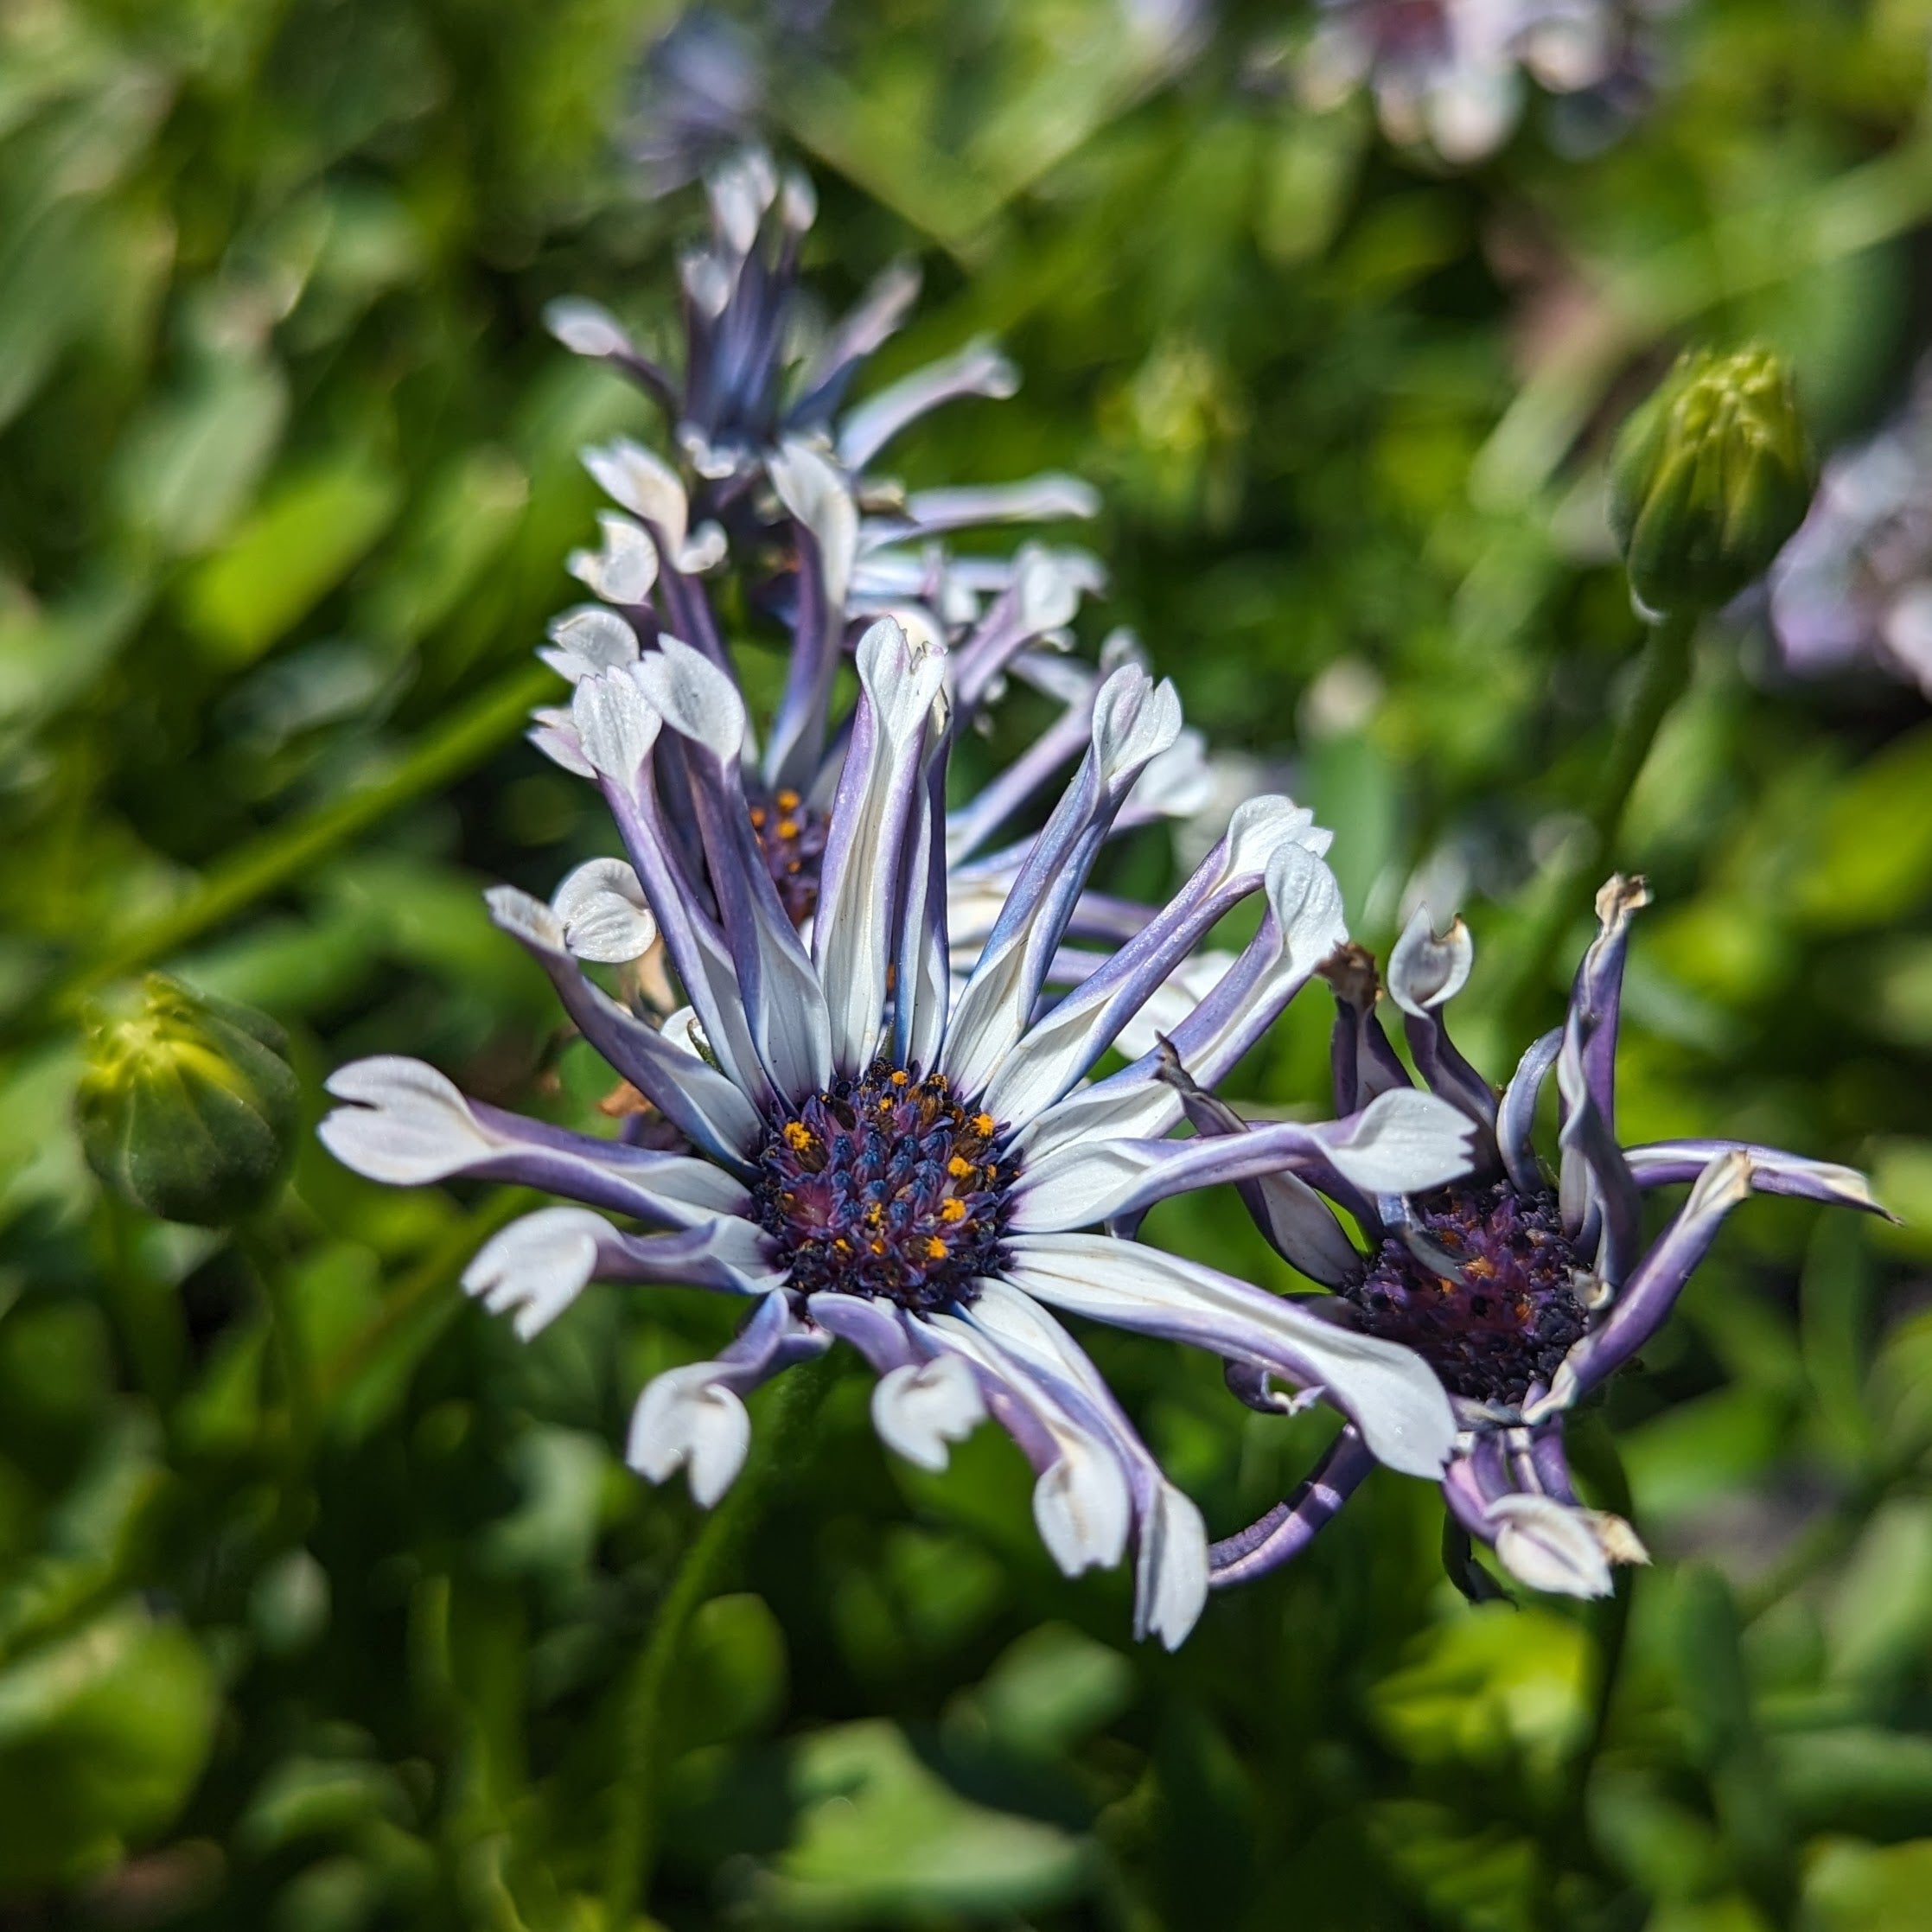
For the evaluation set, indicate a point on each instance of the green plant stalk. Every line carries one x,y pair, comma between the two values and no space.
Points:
777,1450
1663,675
460,742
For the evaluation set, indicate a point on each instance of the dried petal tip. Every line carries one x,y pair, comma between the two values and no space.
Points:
187,1107
1350,971
1709,479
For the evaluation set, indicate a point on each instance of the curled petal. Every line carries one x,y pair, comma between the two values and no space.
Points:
588,639
616,727
918,1411
685,1420
1549,1546
1081,1507
602,908
1388,1391
1428,968
536,1267
625,568
694,698
410,1124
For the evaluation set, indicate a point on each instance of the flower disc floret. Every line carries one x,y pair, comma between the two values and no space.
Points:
792,838
888,1188
1502,1310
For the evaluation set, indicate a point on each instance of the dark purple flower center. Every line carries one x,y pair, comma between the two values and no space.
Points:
1510,1312
792,836
886,1187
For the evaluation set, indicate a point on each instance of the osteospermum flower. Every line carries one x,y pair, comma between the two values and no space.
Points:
877,1155
1521,1287
759,409
1449,73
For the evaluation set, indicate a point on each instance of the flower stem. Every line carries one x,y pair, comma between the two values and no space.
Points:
1663,674
644,1752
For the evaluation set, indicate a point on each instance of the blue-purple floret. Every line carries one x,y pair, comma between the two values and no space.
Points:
1488,1297
886,1187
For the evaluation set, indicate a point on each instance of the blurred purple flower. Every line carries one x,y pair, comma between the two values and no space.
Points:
875,1153
1522,1292
1449,73
758,416
1854,586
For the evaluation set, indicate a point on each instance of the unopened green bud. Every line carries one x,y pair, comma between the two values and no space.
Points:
1709,479
187,1107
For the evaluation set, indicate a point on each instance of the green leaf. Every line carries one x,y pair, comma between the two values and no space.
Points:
102,1738
1872,857
1492,1683
306,536
883,1838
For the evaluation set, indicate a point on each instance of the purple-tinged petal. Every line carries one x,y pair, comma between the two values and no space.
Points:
1388,1391
694,1417
826,520
879,313
618,731
875,819
920,1409
1363,1062
1516,1113
587,329
784,1004
922,985
1134,720
1426,969
1653,1285
1548,1545
1170,1582
1300,927
979,369
1599,1201
1083,1504
1290,1525
1400,1143
539,1266
1043,597
1294,1220
877,1329
1057,1050
1659,1164
705,1105
1597,997
1041,499
406,1124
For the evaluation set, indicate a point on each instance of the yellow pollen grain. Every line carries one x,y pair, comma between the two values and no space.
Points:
900,1076
788,802
874,1214
787,828
983,1125
878,1247
840,1242
959,1168
936,1249
952,1209
757,818
798,1137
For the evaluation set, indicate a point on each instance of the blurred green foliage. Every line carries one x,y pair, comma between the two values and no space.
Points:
318,1592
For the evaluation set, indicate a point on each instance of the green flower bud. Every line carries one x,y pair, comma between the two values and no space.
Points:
187,1107
1709,479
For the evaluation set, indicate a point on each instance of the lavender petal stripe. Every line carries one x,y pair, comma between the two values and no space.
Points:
1388,1391
1290,1525
1661,1164
1403,1143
